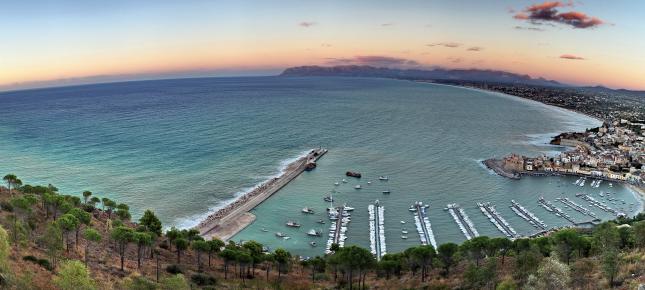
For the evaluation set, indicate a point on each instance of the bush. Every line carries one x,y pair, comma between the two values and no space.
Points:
42,262
5,205
174,269
202,280
30,258
88,208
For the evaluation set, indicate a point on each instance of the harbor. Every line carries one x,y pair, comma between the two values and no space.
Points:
577,207
555,210
422,223
377,229
463,221
340,218
528,216
594,202
500,223
227,221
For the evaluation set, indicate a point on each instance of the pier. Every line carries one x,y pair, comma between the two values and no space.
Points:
577,207
377,230
422,223
225,222
337,229
463,221
555,210
499,222
598,204
528,216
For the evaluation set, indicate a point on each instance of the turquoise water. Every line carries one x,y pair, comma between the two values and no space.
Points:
186,147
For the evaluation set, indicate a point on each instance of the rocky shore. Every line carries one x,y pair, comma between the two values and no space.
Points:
496,165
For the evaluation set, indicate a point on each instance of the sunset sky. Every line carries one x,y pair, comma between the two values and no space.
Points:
46,43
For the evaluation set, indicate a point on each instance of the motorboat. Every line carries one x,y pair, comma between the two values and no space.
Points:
344,180
404,232
404,237
347,208
264,230
402,222
369,182
386,192
293,224
314,233
322,222
313,244
358,186
336,183
383,178
307,210
286,238
280,235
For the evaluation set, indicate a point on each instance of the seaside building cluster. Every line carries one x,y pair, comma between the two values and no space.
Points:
615,151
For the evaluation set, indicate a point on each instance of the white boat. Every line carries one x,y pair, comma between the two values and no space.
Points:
383,178
264,230
404,237
386,192
358,186
402,222
280,235
307,210
344,180
404,232
286,238
293,224
369,182
314,233
336,183
347,208
313,244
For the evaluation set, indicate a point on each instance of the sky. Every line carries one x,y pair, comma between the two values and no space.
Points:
50,43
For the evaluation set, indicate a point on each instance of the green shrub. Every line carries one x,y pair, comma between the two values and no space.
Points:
5,205
42,262
30,258
174,269
202,280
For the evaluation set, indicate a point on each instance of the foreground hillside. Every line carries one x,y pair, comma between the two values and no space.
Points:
49,240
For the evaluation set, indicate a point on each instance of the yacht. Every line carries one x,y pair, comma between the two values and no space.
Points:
314,233
358,186
347,208
286,238
404,232
293,224
322,222
386,192
383,178
264,230
369,182
344,180
402,222
307,210
404,237
280,235
336,183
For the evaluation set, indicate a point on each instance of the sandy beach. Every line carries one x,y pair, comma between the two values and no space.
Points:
640,192
234,217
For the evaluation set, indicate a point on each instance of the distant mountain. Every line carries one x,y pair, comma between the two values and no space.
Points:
419,74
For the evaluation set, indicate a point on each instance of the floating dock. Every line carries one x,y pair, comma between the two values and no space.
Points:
463,221
577,207
598,204
494,217
422,223
527,215
555,210
377,230
338,229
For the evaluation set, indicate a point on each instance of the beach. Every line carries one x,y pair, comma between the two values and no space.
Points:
234,217
639,193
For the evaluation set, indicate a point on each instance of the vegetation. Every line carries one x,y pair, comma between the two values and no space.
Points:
117,253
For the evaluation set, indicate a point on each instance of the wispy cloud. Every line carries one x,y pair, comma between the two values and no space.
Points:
307,24
445,44
572,57
387,24
475,48
373,60
528,28
547,12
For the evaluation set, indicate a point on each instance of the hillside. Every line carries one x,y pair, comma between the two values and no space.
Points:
39,249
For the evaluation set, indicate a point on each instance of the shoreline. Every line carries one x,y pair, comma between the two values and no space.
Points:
638,193
234,217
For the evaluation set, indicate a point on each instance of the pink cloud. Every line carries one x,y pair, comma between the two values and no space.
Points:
572,57
548,12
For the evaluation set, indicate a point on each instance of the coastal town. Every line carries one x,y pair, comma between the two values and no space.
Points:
614,151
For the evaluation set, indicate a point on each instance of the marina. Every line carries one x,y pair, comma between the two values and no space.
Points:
593,202
337,230
555,210
528,216
499,222
463,221
422,223
377,229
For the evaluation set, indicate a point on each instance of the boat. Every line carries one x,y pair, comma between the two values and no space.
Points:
369,182
404,237
353,174
358,186
328,198
293,224
313,244
402,222
404,232
307,210
386,192
347,208
286,238
280,235
264,230
336,183
344,180
383,178
314,233
322,222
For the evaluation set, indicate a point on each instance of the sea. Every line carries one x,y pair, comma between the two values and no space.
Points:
187,147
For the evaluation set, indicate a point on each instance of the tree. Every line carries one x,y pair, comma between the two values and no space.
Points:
200,247
610,265
425,255
282,257
142,239
551,274
94,200
566,242
53,241
582,272
11,180
227,255
22,208
255,251
151,222
110,205
181,244
91,236
123,236
502,246
485,277
214,246
4,250
172,234
83,217
86,195
639,234
606,237
123,211
475,248
447,256
317,265
67,224
73,275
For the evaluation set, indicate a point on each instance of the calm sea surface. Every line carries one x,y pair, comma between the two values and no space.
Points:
186,147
